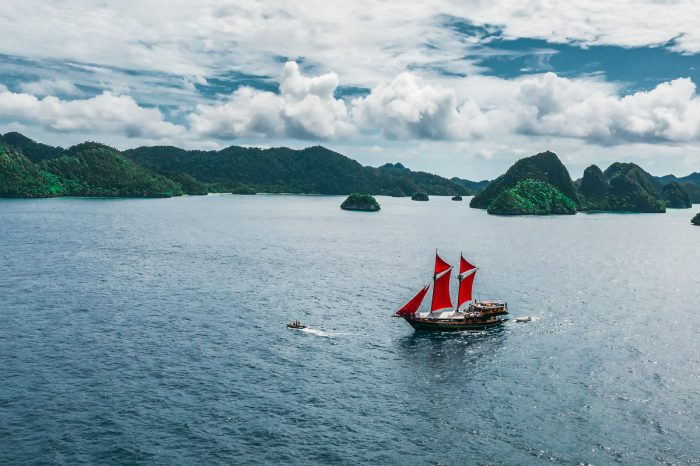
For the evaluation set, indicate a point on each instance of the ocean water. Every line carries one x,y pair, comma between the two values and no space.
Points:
152,331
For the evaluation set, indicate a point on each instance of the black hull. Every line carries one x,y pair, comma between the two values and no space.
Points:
451,326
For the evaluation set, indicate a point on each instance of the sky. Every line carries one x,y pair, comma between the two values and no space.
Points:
461,88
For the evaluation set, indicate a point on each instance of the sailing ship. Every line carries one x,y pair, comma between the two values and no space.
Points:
477,315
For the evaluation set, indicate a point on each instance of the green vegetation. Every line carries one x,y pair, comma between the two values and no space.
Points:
32,169
532,197
245,190
693,191
189,185
396,167
315,170
457,198
475,186
654,187
34,151
545,166
398,193
623,187
20,178
675,197
627,191
696,219
692,178
593,186
626,195
92,169
363,202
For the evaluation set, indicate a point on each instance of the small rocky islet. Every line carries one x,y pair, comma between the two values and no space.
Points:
361,202
420,196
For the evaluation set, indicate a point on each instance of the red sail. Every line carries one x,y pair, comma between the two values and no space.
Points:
465,290
412,306
440,265
441,292
464,266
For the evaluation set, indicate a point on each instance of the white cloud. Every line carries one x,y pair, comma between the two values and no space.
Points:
560,107
365,42
546,105
50,87
105,113
408,108
305,109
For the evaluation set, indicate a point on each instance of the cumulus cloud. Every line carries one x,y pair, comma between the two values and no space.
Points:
555,106
408,108
546,105
50,87
305,108
105,113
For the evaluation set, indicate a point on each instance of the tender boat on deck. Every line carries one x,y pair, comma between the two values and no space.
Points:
442,317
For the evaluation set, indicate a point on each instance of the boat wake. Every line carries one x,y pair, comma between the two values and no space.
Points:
317,332
322,333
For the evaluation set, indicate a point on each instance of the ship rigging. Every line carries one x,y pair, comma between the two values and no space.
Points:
442,316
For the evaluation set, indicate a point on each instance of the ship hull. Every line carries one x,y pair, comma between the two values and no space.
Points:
451,326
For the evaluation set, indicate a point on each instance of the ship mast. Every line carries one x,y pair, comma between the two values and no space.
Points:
466,282
459,281
432,299
441,286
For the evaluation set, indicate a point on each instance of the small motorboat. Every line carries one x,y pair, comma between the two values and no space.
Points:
295,325
523,319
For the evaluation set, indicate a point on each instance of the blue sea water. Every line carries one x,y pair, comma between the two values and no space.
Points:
152,331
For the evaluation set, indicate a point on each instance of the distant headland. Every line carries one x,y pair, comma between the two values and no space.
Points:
32,169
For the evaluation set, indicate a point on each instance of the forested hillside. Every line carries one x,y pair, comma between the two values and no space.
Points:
32,169
314,170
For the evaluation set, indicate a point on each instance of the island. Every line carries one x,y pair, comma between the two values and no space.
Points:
693,191
532,197
457,198
696,219
362,202
544,166
675,197
621,188
420,196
